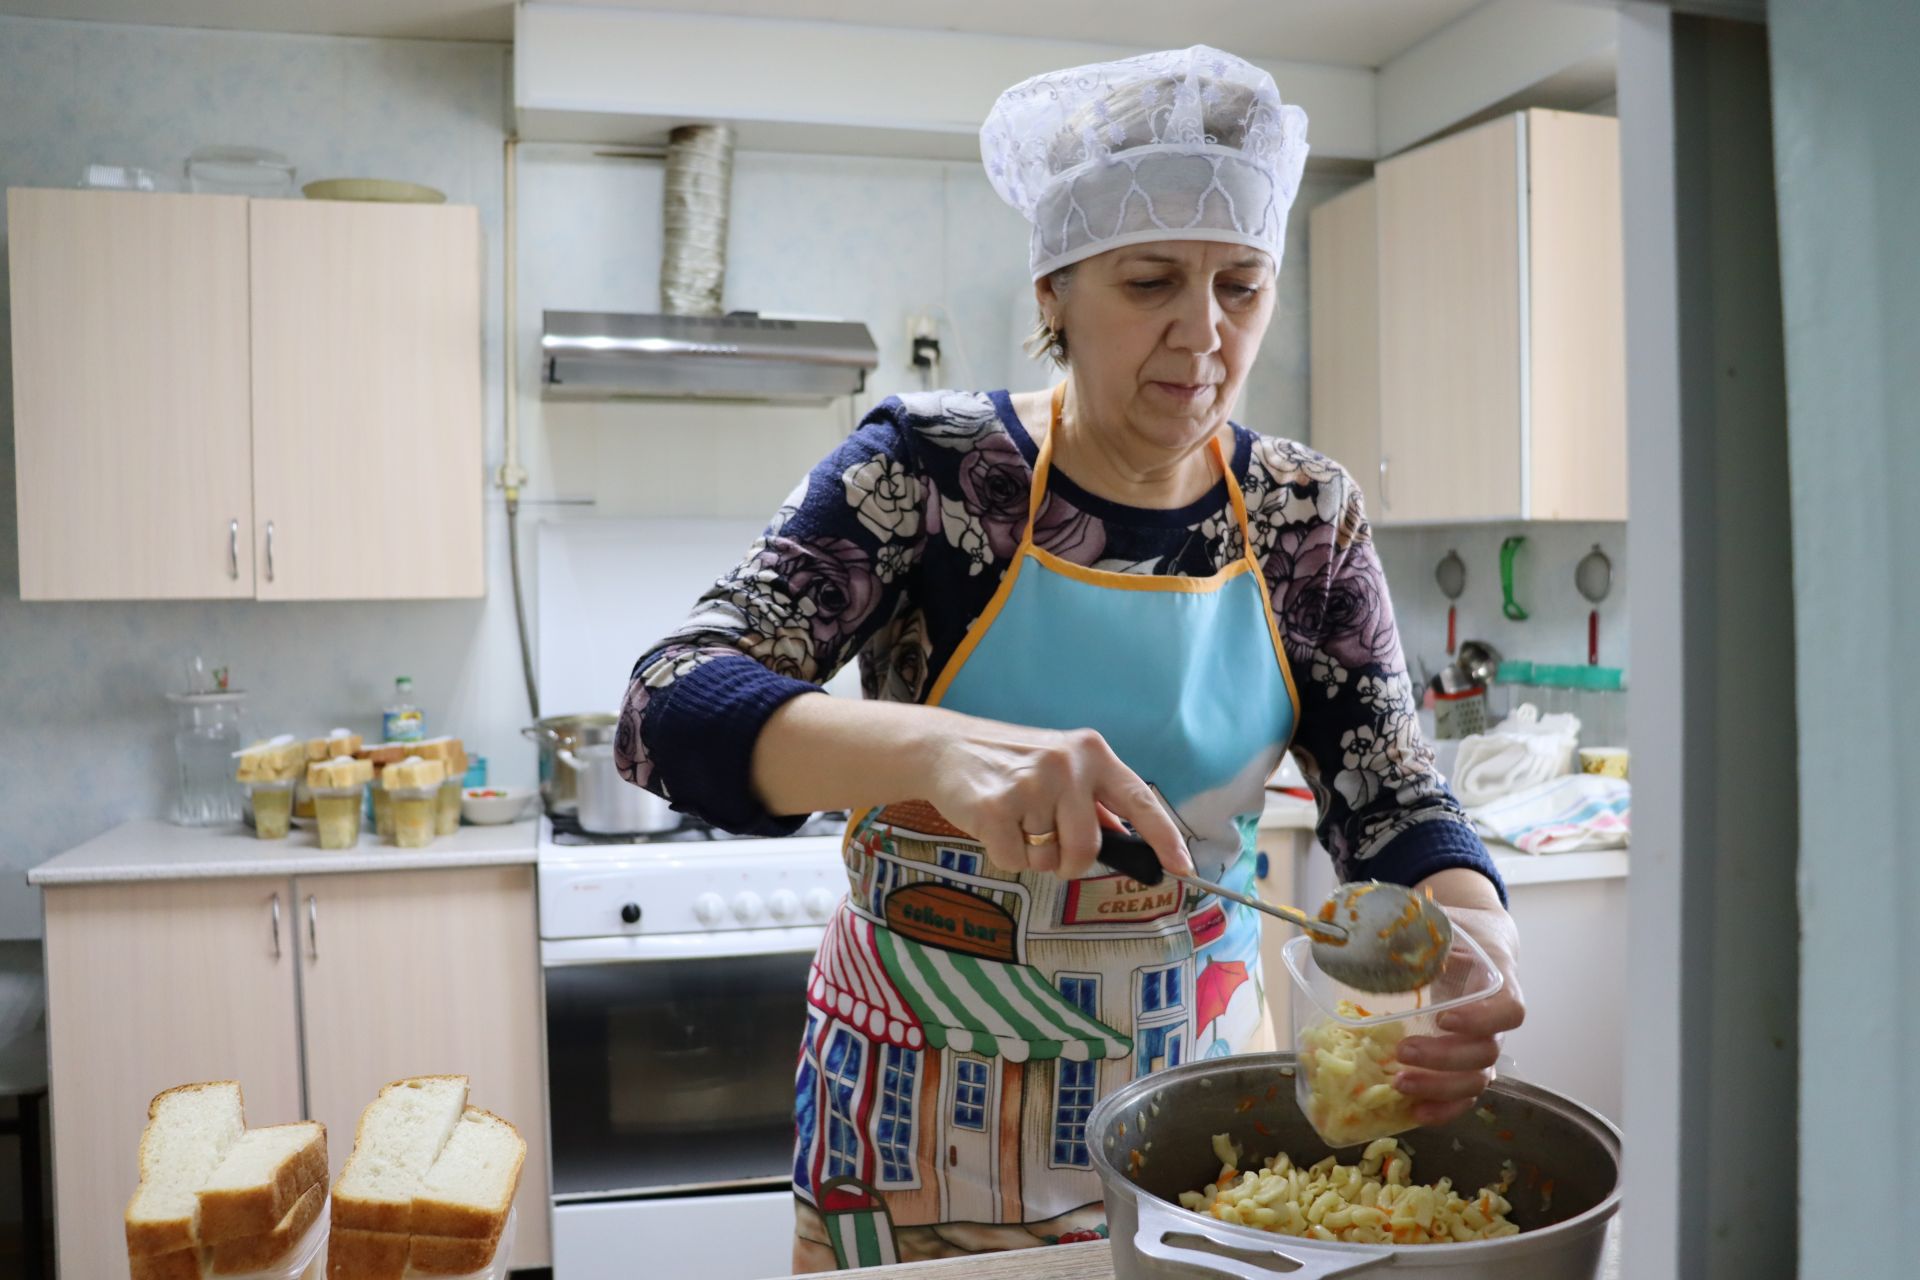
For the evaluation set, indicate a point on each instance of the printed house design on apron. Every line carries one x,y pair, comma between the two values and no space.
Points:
936,950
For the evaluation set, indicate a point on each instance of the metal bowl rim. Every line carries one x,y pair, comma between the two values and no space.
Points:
1131,1094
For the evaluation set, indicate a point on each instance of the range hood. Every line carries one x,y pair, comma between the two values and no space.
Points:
595,355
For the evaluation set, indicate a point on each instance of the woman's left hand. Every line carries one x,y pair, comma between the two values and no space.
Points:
1448,1072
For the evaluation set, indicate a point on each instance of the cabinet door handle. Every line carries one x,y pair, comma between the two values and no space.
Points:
233,549
313,928
269,551
1386,501
276,926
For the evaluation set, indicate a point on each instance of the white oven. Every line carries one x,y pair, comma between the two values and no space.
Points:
676,977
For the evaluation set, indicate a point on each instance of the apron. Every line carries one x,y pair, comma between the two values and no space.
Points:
962,1020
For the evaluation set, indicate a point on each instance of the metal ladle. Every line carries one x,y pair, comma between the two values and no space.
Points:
1594,577
1451,575
1370,935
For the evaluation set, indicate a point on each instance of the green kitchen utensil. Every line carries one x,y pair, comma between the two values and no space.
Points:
1508,605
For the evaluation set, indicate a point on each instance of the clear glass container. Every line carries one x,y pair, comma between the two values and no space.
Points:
337,815
206,735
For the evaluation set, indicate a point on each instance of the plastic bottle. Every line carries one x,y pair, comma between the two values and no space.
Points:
402,721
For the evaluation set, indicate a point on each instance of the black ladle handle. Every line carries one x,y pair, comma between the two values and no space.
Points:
1131,856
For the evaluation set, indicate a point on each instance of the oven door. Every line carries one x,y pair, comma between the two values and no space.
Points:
670,1061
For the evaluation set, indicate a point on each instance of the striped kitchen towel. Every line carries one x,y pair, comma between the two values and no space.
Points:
1579,811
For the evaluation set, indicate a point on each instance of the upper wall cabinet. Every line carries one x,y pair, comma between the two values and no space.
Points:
1499,334
216,397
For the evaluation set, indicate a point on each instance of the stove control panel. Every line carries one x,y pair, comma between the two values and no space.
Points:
615,890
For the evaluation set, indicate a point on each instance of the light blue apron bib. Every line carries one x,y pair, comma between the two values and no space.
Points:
963,1020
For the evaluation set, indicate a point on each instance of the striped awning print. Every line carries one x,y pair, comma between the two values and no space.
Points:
972,1005
849,982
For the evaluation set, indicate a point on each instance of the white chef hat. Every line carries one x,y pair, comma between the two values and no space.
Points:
1188,144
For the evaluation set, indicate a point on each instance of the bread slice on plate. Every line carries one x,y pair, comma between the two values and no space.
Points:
189,1131
262,1177
249,1254
400,1135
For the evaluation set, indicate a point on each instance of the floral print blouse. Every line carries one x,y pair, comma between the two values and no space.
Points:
897,541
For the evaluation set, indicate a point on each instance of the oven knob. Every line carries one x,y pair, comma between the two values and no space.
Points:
783,904
747,907
709,908
819,903
631,913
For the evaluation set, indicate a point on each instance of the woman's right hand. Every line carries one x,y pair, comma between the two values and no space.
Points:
1001,782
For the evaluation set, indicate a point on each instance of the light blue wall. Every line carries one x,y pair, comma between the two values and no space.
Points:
1846,95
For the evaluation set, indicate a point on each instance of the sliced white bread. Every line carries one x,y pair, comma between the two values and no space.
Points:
450,1255
178,1264
470,1188
261,1252
189,1131
400,1135
353,1254
263,1175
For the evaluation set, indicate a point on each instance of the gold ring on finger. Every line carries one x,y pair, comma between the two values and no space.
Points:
1037,839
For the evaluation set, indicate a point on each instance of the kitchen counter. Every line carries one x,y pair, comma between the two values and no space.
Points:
149,849
1081,1262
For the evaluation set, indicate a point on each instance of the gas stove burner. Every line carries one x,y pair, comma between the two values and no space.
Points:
568,831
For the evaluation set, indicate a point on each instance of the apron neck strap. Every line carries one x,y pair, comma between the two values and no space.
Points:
1043,471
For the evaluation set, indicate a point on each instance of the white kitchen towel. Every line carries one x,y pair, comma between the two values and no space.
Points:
1579,812
1522,751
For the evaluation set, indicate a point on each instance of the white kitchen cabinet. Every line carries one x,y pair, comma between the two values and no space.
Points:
366,400
423,973
1344,331
1497,330
218,397
152,984
132,430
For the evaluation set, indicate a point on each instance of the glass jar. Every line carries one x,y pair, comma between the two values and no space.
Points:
206,735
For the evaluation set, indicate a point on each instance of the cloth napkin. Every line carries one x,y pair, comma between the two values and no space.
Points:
1579,812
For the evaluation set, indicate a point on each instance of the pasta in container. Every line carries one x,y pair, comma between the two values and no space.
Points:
1347,1039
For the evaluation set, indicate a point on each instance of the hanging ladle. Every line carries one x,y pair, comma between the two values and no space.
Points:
1594,577
1451,574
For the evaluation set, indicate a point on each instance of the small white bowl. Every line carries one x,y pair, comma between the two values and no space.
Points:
492,806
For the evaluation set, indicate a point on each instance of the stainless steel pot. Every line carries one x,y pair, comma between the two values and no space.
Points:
555,733
608,803
1180,1110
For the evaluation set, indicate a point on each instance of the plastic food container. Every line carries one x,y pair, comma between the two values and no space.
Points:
1344,1083
411,812
495,1270
272,808
294,1265
337,814
446,808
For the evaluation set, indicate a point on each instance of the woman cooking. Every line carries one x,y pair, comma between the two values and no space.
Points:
1058,598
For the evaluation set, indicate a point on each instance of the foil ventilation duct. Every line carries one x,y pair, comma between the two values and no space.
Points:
693,269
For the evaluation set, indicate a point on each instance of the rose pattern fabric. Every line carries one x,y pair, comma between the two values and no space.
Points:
897,542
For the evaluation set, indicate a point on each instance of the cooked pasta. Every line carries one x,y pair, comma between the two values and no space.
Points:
1372,1202
1348,1072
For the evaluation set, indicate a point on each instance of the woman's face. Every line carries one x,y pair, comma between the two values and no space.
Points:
1161,335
